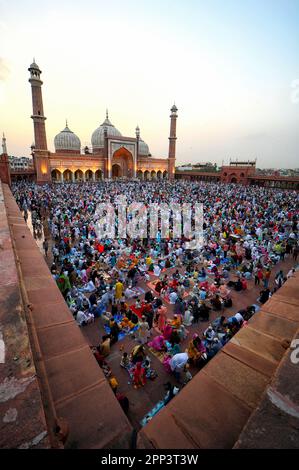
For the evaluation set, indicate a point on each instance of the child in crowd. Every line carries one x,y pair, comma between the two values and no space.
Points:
125,362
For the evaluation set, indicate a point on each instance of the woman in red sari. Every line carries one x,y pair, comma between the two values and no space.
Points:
139,376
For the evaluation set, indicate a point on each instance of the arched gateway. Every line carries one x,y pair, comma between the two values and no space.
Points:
122,164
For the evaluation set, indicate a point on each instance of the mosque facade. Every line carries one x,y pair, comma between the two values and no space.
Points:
111,155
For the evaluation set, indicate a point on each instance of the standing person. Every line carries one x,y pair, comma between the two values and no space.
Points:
139,378
46,247
143,330
267,278
114,331
258,277
279,278
119,289
177,364
162,318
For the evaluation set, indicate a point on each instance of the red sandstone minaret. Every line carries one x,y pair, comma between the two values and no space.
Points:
4,164
41,153
172,139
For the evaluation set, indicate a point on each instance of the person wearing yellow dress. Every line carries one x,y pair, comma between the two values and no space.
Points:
119,289
148,260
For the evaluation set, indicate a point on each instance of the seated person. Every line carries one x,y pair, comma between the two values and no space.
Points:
196,350
83,318
173,346
149,296
125,361
158,343
176,321
104,347
264,296
202,273
216,345
238,285
203,293
209,334
173,297
132,317
204,311
250,311
123,308
188,318
97,354
216,302
157,270
218,323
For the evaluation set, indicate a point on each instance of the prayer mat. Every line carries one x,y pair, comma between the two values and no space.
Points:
152,285
138,290
138,311
158,354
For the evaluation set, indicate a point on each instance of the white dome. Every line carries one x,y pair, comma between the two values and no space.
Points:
143,148
67,140
97,138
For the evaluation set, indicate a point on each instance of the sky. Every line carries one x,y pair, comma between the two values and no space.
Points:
231,67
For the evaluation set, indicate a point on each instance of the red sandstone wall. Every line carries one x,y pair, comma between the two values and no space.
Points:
81,394
22,423
212,410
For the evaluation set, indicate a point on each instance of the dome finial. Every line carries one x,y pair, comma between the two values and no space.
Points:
66,122
107,117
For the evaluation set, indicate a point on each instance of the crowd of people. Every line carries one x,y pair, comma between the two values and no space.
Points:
155,290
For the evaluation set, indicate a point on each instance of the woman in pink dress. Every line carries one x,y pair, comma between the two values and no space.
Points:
162,318
158,343
167,332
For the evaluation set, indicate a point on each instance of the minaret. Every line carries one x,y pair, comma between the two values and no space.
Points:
137,133
4,164
172,142
41,153
4,148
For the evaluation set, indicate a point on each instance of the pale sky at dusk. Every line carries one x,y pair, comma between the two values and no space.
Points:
228,65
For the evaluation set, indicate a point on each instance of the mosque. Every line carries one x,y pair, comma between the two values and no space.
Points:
112,155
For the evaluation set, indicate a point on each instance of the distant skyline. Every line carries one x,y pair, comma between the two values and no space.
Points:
232,68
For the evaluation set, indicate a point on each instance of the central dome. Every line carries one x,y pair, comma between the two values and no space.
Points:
97,138
67,140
